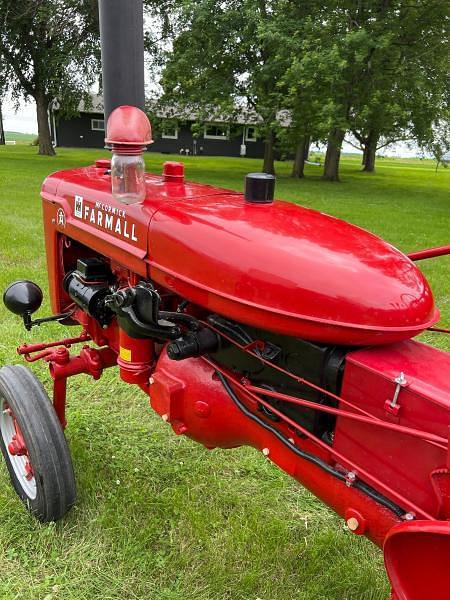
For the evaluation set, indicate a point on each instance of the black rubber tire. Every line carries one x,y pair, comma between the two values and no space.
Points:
48,452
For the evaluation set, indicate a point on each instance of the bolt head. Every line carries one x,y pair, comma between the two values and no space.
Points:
352,523
401,379
266,451
202,409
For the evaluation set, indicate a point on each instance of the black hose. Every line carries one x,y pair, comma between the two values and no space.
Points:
370,491
177,317
233,330
360,485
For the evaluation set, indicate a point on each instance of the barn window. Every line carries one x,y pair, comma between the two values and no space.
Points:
215,131
169,131
97,124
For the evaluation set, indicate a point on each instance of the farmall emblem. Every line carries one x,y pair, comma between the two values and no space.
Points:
60,218
79,207
105,216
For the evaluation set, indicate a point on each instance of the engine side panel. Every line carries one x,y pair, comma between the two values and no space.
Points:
399,460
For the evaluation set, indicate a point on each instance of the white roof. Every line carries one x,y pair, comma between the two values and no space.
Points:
96,106
241,116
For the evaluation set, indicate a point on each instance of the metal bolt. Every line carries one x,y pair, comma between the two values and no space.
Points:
409,516
352,523
266,451
165,417
401,382
401,379
151,381
350,478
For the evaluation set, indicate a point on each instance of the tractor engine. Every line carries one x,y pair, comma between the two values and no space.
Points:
252,321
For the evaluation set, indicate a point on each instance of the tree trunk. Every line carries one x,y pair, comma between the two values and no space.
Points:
45,139
307,146
333,155
370,151
2,131
298,168
268,165
363,161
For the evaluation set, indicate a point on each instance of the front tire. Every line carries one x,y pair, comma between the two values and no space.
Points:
33,444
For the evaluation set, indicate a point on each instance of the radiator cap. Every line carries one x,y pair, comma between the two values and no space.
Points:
259,188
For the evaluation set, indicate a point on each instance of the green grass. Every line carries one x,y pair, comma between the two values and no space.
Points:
159,517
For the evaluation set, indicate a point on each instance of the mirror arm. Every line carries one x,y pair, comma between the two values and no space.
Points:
29,323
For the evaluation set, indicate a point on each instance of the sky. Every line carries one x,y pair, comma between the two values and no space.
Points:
24,121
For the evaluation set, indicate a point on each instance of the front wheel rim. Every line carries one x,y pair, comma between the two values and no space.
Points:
20,462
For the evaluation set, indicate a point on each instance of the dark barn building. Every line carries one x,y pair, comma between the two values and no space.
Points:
173,135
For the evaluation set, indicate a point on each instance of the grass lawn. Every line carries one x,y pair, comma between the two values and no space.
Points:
159,517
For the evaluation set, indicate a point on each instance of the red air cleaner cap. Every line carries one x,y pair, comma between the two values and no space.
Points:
103,163
173,171
128,126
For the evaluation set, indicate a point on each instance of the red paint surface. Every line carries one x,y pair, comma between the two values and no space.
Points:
430,253
424,402
417,559
179,385
296,270
290,270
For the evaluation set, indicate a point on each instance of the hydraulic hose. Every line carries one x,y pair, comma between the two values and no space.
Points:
360,485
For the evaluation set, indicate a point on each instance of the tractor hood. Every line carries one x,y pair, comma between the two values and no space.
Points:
277,266
289,269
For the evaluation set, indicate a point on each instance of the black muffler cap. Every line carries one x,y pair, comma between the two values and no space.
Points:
259,188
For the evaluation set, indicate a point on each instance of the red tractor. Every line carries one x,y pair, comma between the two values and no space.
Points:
247,321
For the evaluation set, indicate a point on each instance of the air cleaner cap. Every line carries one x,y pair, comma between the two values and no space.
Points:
259,188
128,126
173,171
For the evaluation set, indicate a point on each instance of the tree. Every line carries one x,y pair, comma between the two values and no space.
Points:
2,131
405,85
223,60
322,74
377,69
380,70
438,144
293,31
50,49
2,93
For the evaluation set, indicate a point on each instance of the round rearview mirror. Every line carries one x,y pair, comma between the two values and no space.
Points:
22,297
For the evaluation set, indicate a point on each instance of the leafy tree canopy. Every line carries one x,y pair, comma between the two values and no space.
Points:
377,69
50,50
